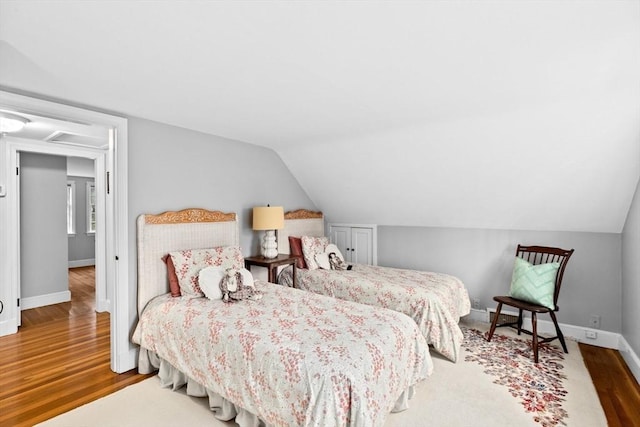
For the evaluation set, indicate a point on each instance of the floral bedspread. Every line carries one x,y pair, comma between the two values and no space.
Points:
435,301
292,358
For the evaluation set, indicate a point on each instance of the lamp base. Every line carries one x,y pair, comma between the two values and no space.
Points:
269,244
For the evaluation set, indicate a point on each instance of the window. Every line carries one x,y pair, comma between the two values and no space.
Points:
91,207
71,203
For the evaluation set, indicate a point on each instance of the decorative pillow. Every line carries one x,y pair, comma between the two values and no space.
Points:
209,280
534,283
295,247
312,246
174,286
247,278
188,264
323,261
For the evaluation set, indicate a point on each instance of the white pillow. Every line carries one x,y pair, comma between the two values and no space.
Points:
333,248
209,279
247,278
323,261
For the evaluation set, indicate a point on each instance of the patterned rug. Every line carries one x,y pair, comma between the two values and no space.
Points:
538,387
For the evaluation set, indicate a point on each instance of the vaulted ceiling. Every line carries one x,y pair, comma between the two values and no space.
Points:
487,114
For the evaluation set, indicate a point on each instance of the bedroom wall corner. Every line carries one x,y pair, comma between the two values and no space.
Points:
631,277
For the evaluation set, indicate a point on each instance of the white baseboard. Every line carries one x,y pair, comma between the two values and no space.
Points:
8,327
103,305
629,356
42,300
579,333
82,263
477,315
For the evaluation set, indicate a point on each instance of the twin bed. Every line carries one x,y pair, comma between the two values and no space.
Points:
290,358
435,301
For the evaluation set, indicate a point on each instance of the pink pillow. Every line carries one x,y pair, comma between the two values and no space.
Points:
295,247
188,264
173,279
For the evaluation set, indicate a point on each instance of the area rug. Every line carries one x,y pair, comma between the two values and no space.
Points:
496,383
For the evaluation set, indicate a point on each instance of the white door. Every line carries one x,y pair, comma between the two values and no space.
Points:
341,237
361,245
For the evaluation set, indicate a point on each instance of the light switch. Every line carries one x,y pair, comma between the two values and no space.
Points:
2,190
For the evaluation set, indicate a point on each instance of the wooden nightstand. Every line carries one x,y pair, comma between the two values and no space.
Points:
272,265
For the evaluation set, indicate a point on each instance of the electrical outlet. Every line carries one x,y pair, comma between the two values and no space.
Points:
592,335
475,303
594,321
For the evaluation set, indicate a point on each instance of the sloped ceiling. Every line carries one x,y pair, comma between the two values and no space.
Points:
487,114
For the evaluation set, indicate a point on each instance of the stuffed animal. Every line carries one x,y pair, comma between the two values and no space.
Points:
234,289
337,263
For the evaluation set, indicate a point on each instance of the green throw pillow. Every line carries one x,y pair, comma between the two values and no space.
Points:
534,283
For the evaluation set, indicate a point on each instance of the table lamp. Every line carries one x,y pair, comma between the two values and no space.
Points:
269,219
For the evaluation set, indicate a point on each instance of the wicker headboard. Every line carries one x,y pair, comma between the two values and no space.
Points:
299,223
175,231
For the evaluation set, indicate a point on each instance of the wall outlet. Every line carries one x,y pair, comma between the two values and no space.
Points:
475,303
592,335
594,321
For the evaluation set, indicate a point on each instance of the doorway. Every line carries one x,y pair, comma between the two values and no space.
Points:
111,186
58,226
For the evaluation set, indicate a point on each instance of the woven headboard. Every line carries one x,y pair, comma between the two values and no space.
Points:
175,231
299,223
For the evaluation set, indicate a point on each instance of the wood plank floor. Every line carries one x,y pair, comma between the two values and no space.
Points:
60,360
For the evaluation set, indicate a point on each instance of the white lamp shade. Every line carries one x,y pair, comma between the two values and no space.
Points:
268,217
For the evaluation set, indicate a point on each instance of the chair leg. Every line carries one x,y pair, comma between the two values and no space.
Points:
495,321
534,324
519,321
558,331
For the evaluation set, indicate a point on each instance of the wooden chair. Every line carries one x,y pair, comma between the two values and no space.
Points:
535,255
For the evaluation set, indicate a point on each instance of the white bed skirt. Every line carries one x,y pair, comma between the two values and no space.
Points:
171,377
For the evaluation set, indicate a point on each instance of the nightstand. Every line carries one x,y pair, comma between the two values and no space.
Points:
272,265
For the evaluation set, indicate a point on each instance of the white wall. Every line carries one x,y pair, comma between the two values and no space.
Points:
631,276
483,260
43,229
77,166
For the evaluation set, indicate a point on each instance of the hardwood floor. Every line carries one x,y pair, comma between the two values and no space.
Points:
60,360
617,389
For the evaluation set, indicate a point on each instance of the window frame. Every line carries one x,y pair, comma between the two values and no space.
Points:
91,207
71,205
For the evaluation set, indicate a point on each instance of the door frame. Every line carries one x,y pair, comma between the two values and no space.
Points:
15,147
116,250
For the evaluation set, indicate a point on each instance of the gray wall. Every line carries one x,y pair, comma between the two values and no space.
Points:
82,246
483,260
631,275
43,224
173,168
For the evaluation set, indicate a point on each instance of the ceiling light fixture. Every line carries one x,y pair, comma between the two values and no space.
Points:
11,122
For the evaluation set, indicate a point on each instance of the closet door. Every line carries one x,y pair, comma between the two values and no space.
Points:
357,242
361,245
341,237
